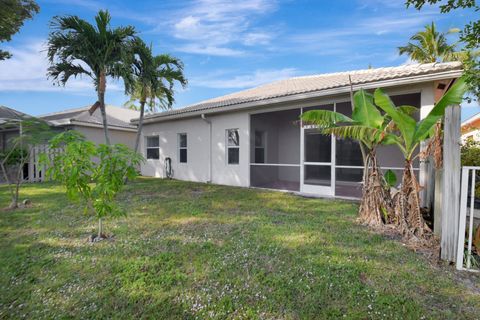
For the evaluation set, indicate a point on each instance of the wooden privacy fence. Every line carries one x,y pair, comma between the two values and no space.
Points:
36,170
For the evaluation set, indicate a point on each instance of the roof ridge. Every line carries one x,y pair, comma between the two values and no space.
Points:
372,70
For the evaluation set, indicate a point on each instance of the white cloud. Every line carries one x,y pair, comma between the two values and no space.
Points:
221,24
256,78
257,38
378,32
210,50
27,71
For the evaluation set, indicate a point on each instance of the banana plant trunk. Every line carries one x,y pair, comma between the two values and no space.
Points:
408,215
376,205
101,99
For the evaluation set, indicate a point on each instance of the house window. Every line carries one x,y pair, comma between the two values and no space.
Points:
153,147
182,147
260,146
233,146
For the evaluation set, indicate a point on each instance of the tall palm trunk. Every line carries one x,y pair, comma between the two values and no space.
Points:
140,123
101,99
376,205
407,209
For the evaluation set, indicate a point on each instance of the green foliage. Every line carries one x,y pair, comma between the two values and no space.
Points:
90,173
13,13
78,48
155,77
469,35
367,124
470,153
470,156
428,46
411,132
13,156
390,178
73,166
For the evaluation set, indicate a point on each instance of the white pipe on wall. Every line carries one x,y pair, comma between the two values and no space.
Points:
210,147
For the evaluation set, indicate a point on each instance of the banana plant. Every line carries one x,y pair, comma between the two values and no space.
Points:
367,126
410,134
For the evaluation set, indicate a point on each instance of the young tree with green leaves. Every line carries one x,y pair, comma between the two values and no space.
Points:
78,48
13,14
410,134
32,131
155,77
92,174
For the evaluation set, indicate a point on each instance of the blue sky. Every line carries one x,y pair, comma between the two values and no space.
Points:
226,46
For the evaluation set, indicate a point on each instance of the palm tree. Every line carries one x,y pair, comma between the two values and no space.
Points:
410,134
429,46
78,48
155,77
371,129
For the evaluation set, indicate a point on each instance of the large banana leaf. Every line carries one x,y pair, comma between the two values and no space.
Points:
362,133
364,110
405,123
324,118
453,97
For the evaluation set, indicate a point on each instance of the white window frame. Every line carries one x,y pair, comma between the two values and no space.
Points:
182,148
228,147
264,147
147,147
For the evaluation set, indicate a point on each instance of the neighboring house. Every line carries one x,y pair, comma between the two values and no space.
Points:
253,138
120,128
8,127
471,128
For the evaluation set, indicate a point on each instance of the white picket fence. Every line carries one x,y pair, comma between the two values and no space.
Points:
37,171
466,259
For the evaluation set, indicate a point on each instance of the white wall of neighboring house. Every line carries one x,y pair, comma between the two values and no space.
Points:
96,134
474,135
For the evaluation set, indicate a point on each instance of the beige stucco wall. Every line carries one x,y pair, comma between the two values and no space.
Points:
116,136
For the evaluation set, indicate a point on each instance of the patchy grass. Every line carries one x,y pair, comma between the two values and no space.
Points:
190,250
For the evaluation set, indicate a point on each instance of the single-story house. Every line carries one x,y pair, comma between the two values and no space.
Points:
471,128
90,124
9,129
253,138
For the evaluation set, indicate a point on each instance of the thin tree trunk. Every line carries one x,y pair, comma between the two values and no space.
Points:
101,99
100,228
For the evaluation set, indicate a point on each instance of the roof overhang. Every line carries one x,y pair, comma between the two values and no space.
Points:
451,74
73,122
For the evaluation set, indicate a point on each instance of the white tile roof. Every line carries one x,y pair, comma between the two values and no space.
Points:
116,117
313,83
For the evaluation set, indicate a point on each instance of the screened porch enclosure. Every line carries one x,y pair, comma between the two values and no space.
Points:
285,155
275,150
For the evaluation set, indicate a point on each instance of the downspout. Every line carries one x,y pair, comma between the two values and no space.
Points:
209,148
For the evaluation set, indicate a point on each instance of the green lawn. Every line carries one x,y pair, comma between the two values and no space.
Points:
190,250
